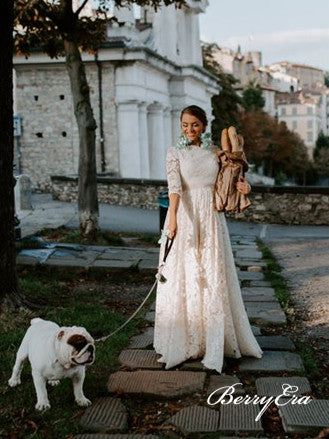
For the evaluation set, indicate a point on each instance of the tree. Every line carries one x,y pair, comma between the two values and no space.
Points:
9,292
321,163
270,144
227,103
321,142
252,97
57,30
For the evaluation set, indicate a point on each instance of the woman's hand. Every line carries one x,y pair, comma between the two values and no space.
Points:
243,186
172,226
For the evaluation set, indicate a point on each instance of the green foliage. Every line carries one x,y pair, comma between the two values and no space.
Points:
321,162
253,98
326,78
226,104
270,144
321,142
46,24
280,178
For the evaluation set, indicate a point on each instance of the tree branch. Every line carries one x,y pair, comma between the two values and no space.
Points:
77,12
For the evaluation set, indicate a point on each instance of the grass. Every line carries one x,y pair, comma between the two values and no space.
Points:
278,282
309,356
66,235
59,302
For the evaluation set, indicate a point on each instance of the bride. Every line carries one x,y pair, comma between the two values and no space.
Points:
199,309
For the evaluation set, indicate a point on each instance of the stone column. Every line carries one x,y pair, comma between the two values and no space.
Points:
175,123
128,136
168,140
144,141
156,141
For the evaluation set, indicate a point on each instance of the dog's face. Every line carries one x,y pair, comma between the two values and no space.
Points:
74,347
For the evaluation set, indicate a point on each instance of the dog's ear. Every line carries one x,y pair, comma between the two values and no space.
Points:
60,334
78,341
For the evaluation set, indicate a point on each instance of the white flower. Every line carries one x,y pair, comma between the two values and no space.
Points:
163,238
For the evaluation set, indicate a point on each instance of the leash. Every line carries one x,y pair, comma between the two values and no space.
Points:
159,277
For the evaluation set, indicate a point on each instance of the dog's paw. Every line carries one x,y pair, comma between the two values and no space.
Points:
53,383
13,382
42,406
83,402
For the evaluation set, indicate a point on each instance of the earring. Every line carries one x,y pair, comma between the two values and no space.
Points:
183,142
206,140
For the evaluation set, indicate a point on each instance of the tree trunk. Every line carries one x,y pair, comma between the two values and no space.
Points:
87,188
10,296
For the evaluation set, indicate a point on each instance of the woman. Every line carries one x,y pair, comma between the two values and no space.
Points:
199,309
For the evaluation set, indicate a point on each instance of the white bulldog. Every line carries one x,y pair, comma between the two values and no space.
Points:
54,353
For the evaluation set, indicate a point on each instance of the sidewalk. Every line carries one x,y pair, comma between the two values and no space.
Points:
177,399
50,213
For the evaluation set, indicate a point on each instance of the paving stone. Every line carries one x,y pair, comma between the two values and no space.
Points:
34,256
142,340
272,386
244,241
305,418
265,313
259,283
153,383
238,418
193,365
150,316
249,275
272,361
249,254
195,419
116,436
140,358
152,307
256,330
128,255
276,343
258,294
148,265
219,381
69,262
257,268
244,264
105,414
266,291
112,264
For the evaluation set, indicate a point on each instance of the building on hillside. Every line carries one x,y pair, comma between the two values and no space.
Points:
247,68
306,75
295,93
147,70
304,114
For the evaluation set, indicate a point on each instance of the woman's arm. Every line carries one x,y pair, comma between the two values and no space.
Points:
173,206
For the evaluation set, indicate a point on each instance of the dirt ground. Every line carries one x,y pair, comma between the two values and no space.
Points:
306,268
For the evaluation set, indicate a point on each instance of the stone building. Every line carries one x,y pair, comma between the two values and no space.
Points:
306,75
247,68
305,113
145,73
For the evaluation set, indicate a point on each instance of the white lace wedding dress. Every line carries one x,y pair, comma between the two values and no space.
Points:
199,310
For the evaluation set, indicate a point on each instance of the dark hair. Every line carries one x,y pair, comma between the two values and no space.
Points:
196,111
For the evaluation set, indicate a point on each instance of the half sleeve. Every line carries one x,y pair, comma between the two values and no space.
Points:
173,172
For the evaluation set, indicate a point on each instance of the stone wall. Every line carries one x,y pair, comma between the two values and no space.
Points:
49,142
270,204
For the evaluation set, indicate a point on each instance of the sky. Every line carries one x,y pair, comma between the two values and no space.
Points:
283,30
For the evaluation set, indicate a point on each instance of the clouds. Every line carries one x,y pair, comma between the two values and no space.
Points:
307,46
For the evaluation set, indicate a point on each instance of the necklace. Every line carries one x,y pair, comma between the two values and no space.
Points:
185,143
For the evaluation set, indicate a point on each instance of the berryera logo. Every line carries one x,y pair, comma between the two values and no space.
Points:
287,391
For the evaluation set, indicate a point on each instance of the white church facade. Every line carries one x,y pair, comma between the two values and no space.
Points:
145,73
